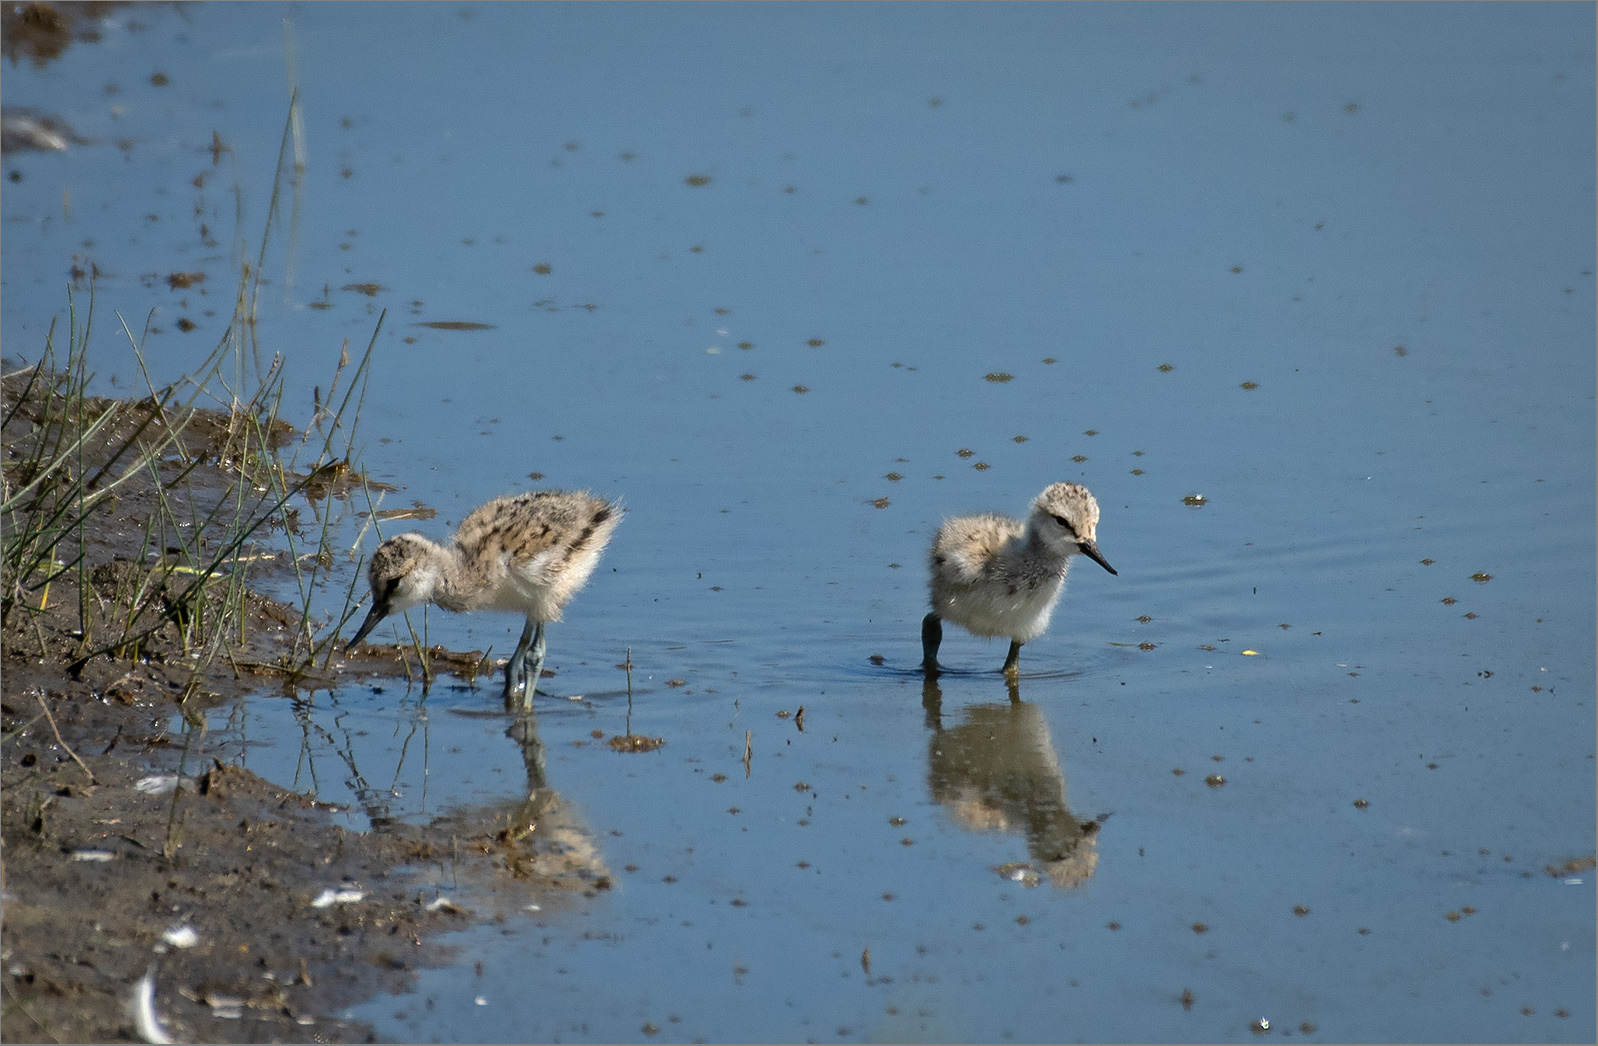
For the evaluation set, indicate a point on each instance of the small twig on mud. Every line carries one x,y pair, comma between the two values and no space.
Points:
63,744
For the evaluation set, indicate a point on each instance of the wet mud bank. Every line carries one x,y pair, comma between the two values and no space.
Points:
128,849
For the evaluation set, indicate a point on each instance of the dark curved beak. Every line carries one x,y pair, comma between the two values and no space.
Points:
378,612
1090,549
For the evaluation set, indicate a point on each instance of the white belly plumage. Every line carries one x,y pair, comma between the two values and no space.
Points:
1020,611
544,584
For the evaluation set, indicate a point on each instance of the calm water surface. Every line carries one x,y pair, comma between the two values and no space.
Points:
799,281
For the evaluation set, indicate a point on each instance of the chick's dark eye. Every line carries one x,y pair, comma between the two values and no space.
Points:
1063,522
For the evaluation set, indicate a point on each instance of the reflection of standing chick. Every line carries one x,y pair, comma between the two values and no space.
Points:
530,552
998,576
997,771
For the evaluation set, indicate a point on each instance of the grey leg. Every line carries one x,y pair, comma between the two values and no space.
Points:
513,668
1012,664
931,638
536,668
517,676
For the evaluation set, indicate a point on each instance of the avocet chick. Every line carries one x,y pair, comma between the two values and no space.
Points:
528,552
998,576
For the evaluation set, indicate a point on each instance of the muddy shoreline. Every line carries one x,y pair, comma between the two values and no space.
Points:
257,914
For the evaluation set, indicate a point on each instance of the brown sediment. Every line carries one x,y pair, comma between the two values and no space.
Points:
96,870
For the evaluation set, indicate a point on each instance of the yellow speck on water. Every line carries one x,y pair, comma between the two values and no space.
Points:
1251,653
998,377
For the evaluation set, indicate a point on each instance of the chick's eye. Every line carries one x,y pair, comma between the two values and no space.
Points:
1063,522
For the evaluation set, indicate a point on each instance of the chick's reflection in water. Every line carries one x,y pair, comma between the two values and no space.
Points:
544,850
562,844
997,771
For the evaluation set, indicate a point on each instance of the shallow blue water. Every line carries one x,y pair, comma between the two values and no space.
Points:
1380,215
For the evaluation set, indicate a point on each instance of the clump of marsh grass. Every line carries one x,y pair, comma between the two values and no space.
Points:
77,459
221,485
59,472
206,486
